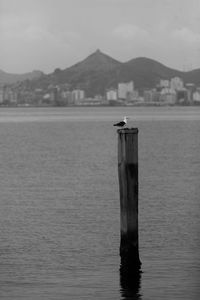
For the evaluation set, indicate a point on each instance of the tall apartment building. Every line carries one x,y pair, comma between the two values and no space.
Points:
168,95
176,84
78,95
190,90
67,97
124,89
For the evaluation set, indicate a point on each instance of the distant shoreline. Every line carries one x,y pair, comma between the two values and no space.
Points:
103,105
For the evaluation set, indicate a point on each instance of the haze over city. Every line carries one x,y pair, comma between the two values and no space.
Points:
51,34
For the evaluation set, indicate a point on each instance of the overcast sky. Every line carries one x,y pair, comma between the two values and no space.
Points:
46,34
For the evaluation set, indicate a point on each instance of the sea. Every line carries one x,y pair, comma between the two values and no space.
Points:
60,212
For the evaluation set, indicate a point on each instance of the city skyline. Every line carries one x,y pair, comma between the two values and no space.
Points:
49,34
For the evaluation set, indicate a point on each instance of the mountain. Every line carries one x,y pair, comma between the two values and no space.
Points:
99,72
94,74
145,72
9,78
97,61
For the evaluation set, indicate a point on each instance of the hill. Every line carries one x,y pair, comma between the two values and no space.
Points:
145,72
9,78
94,74
99,71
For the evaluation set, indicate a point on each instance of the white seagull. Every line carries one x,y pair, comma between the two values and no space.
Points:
122,123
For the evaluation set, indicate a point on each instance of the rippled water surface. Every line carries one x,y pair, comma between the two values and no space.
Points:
59,204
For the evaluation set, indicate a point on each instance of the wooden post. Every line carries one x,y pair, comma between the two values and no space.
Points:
128,187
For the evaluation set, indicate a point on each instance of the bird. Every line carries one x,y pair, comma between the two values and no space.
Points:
121,123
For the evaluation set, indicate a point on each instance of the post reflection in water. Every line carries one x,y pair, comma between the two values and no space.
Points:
130,282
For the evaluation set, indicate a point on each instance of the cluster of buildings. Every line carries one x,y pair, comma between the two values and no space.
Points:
169,92
125,93
53,95
173,92
166,92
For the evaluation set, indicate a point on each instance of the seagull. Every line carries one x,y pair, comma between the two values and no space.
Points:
122,123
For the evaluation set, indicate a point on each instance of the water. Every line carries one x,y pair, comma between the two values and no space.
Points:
59,204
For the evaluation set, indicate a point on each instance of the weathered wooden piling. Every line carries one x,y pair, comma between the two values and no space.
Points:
128,187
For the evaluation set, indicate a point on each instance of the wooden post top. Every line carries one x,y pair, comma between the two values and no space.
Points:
127,130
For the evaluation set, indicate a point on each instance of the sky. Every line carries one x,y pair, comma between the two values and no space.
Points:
49,34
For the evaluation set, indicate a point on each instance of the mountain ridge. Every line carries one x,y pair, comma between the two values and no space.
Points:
99,71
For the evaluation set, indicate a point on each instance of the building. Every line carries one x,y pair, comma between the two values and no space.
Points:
1,96
168,96
124,89
164,83
67,98
196,97
190,90
111,94
151,96
132,96
147,96
9,95
176,84
78,96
